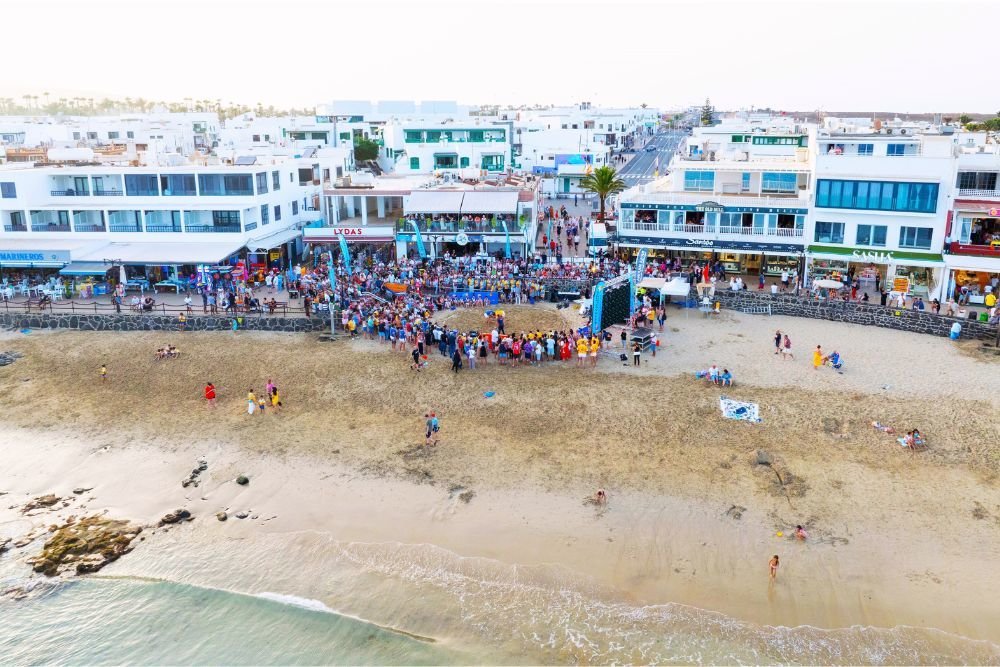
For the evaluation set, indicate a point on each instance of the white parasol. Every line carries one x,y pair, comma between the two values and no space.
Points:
828,284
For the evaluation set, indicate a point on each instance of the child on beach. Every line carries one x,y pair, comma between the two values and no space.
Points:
104,373
787,348
210,394
275,400
800,534
251,401
773,566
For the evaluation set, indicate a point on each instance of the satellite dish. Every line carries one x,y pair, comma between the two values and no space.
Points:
462,238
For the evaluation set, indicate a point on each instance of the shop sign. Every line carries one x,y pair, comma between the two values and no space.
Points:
34,256
872,256
350,234
721,208
711,244
710,207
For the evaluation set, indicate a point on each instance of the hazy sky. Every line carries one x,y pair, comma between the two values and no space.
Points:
810,54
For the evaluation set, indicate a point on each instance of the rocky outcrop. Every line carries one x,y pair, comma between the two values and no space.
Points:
177,516
85,546
41,502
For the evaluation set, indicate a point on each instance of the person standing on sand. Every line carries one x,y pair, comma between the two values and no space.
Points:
773,566
777,341
636,353
104,373
817,357
210,394
270,386
251,401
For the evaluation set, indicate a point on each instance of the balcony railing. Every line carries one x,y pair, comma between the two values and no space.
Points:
212,229
90,228
956,248
70,192
15,228
797,200
163,228
982,194
132,227
727,230
108,193
50,228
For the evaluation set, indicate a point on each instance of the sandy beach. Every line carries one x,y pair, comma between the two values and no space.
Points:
896,538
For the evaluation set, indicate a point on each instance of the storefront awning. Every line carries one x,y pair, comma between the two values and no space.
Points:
652,283
848,254
165,254
273,240
490,202
434,202
85,269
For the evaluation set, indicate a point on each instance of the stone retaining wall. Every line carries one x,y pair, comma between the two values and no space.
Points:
157,322
854,313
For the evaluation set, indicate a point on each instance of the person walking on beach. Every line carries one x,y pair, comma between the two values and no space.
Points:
773,567
104,373
456,361
624,339
636,353
276,403
210,394
433,426
787,348
777,341
817,357
251,401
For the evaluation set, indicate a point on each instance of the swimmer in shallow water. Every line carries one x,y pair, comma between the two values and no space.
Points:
800,533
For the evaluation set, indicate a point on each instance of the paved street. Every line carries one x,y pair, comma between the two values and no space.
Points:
640,168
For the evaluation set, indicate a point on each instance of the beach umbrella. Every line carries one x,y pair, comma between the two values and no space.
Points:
828,284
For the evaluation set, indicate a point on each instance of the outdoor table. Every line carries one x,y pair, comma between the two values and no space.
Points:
167,284
141,285
293,294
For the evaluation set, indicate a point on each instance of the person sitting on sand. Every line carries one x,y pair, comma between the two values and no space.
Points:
726,379
601,497
713,374
882,427
800,533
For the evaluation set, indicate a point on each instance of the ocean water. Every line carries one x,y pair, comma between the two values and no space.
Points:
401,604
102,621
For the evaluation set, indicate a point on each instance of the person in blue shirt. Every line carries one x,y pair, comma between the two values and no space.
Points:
726,378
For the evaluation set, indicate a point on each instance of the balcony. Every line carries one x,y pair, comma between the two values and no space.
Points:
712,230
650,196
956,248
90,227
158,228
50,227
127,227
15,227
212,229
978,194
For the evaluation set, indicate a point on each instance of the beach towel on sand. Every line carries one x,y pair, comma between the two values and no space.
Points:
739,410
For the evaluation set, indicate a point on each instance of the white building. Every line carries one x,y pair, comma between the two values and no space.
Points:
880,208
424,147
734,195
156,215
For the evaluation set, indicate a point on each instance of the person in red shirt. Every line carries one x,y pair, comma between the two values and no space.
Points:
210,394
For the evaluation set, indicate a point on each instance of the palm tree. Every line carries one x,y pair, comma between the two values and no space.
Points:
603,181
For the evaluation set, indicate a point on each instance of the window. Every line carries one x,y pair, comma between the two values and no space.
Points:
778,183
255,138
76,136
433,137
829,232
414,163
112,136
141,185
463,162
895,149
915,237
264,214
276,180
346,136
92,135
745,183
178,185
877,196
261,179
699,181
295,208
277,213
871,235
318,136
8,190
221,185
410,136
226,218
130,134
977,180
866,149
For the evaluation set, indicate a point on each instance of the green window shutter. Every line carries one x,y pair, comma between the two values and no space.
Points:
414,163
465,162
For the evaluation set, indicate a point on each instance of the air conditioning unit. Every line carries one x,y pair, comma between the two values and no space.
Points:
888,130
902,131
